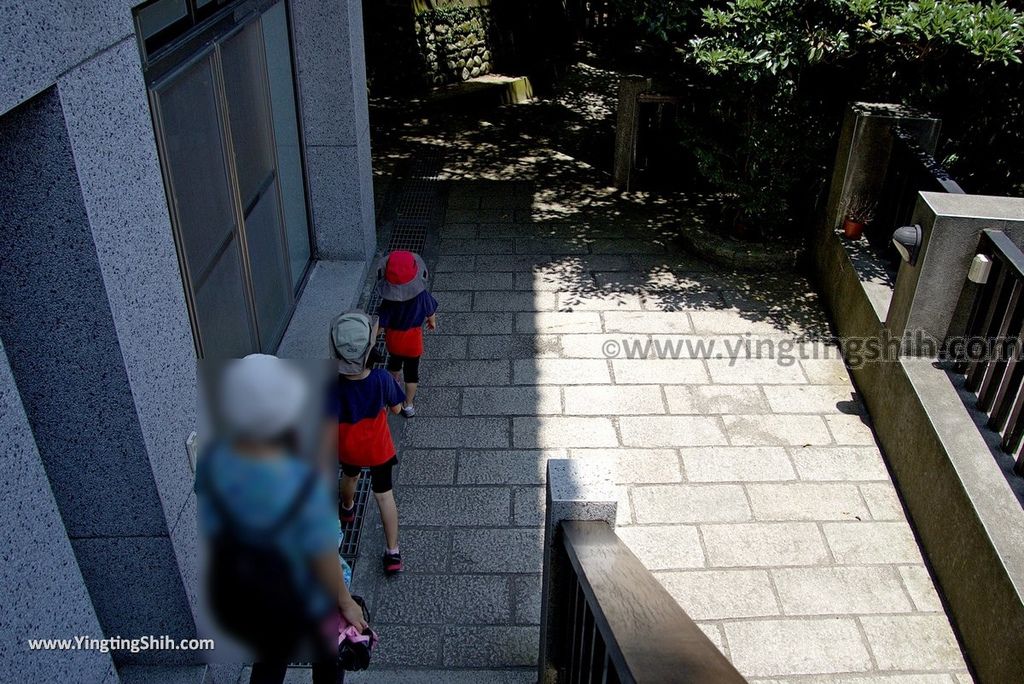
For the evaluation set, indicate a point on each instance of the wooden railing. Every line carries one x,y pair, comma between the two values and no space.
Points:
991,355
620,625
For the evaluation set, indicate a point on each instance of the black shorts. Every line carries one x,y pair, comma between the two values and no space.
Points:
410,365
380,475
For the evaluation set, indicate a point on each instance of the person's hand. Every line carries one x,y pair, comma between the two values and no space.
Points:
432,323
353,614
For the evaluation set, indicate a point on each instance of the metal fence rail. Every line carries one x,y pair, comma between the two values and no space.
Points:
911,170
992,358
621,625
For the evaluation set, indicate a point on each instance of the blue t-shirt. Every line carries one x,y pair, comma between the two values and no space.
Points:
356,400
408,314
361,408
258,492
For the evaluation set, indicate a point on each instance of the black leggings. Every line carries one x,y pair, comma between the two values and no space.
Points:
410,365
380,475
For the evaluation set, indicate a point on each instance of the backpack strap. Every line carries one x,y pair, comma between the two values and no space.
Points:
305,490
231,521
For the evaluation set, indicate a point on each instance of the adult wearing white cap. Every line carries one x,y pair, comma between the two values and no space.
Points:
275,577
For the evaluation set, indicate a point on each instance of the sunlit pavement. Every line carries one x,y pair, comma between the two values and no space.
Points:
752,486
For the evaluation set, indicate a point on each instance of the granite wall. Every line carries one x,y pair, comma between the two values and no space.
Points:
427,43
44,595
100,393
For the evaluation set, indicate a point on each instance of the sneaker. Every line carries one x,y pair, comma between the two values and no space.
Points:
409,411
347,515
392,563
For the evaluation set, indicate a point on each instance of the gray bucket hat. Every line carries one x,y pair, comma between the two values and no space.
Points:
352,340
401,276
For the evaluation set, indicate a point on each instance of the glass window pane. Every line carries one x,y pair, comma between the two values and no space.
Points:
220,309
193,153
248,112
267,264
246,92
286,135
161,15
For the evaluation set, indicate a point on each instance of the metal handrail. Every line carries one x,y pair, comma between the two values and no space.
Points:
621,625
909,149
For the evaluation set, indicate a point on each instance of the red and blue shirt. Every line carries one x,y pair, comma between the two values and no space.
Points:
361,406
403,323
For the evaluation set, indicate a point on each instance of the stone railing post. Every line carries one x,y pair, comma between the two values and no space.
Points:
927,301
576,490
865,143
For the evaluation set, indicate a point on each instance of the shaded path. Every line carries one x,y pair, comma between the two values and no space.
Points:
751,486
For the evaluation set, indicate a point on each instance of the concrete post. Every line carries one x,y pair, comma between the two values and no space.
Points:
865,143
927,296
576,490
626,121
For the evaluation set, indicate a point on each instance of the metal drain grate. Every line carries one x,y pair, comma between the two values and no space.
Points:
419,206
349,548
409,236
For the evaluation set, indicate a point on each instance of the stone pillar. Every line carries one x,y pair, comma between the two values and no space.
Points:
626,121
576,490
928,296
94,325
328,44
865,143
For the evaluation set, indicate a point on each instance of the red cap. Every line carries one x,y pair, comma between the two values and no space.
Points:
401,267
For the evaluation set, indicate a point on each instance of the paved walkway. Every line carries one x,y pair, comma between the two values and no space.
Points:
751,486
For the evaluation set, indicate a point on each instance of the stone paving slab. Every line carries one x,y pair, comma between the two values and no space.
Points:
437,600
798,646
511,466
497,646
500,550
517,347
712,399
737,464
454,300
764,545
722,594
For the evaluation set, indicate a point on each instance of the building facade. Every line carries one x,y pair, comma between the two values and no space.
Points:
177,178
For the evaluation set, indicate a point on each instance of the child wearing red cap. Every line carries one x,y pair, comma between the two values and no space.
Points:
405,307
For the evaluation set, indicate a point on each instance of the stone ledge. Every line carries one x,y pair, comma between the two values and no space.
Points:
332,287
744,255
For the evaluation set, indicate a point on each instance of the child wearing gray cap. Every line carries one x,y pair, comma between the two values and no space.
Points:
363,398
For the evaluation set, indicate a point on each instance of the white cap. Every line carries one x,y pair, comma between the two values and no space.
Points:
261,396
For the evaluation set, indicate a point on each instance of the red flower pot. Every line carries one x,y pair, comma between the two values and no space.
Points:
852,230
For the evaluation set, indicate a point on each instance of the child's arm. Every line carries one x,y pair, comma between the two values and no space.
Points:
394,397
432,308
328,570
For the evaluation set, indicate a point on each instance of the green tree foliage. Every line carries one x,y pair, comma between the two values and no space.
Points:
779,73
